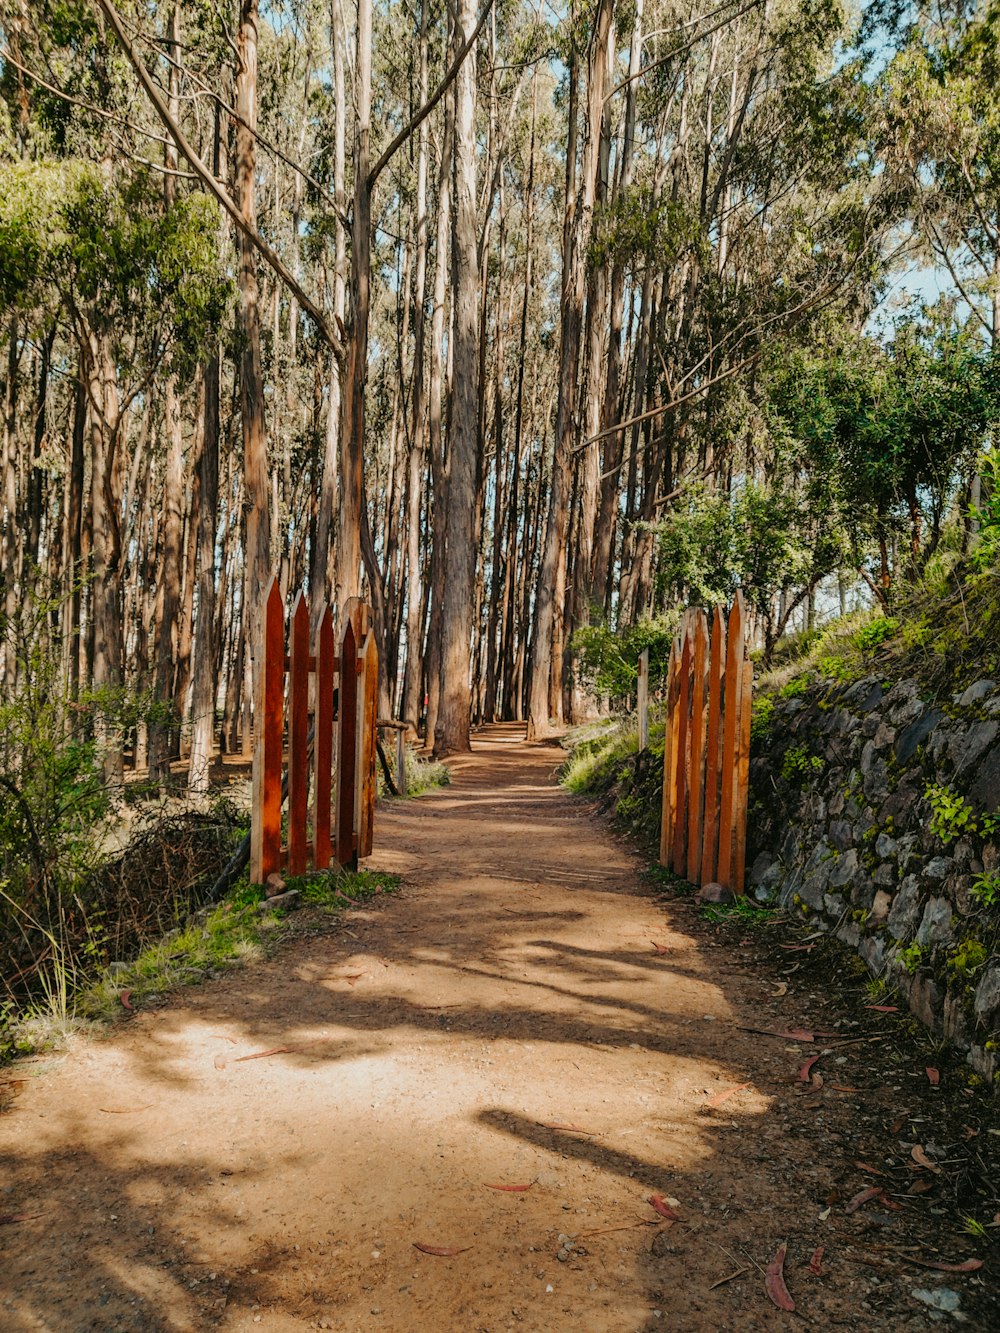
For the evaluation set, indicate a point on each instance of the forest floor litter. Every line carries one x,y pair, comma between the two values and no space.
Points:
528,1092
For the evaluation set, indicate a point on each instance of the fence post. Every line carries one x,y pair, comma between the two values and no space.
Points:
347,748
643,700
734,688
265,828
681,773
298,735
713,757
696,779
323,742
743,778
367,709
669,758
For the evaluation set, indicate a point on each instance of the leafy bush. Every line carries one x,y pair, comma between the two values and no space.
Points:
951,814
876,632
608,662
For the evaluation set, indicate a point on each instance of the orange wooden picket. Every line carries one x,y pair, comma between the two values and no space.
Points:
342,812
706,755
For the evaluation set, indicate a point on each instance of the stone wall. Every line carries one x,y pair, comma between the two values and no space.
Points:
871,815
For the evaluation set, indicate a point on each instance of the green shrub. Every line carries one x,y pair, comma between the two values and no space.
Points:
951,814
876,632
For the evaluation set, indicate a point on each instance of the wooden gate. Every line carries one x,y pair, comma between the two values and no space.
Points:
706,756
331,740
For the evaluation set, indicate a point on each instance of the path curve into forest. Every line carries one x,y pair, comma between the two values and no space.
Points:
525,978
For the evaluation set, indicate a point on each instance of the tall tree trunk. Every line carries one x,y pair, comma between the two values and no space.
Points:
452,731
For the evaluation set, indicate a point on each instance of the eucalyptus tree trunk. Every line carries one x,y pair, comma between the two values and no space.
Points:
256,500
161,731
452,730
414,647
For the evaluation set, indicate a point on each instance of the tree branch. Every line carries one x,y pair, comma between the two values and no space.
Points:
432,101
213,186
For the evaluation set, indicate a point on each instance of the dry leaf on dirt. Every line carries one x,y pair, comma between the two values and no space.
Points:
883,1008
8,1219
780,989
559,1124
806,1069
862,1197
660,948
933,1076
663,1208
509,1189
442,1251
774,1281
354,978
124,1110
921,1159
261,1055
921,1187
720,1097
866,1166
126,999
816,1261
966,1266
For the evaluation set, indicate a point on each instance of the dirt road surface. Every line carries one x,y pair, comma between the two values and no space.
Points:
508,1059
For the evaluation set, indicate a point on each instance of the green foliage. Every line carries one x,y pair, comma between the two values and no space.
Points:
985,888
609,662
876,632
912,957
796,687
761,717
742,910
798,763
966,959
951,814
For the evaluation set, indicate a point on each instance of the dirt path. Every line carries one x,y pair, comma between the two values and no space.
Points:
524,981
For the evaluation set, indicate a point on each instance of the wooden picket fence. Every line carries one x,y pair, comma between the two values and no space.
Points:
706,758
334,754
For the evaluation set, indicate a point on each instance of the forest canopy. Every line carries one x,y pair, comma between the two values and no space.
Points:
529,325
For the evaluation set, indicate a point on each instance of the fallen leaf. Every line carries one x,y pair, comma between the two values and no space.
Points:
126,1000
843,1087
720,1097
866,1166
921,1159
124,1110
572,1129
883,1008
780,989
354,978
797,948
8,1219
921,1186
817,1081
966,1266
659,948
969,1133
816,1262
796,1034
626,1226
261,1055
806,1069
510,1189
663,1208
443,1251
774,1281
933,1076
862,1197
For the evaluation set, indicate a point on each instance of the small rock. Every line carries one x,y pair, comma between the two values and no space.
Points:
289,901
274,885
941,1298
715,893
976,692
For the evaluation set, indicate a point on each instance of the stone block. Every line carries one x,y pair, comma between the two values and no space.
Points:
938,868
915,734
976,692
905,913
968,745
935,927
925,1001
885,847
879,913
840,834
872,951
987,1000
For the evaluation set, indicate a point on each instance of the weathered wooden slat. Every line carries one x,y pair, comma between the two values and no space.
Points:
323,741
713,748
358,612
367,755
743,779
401,760
298,733
696,746
265,828
670,755
347,748
731,705
642,700
678,859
